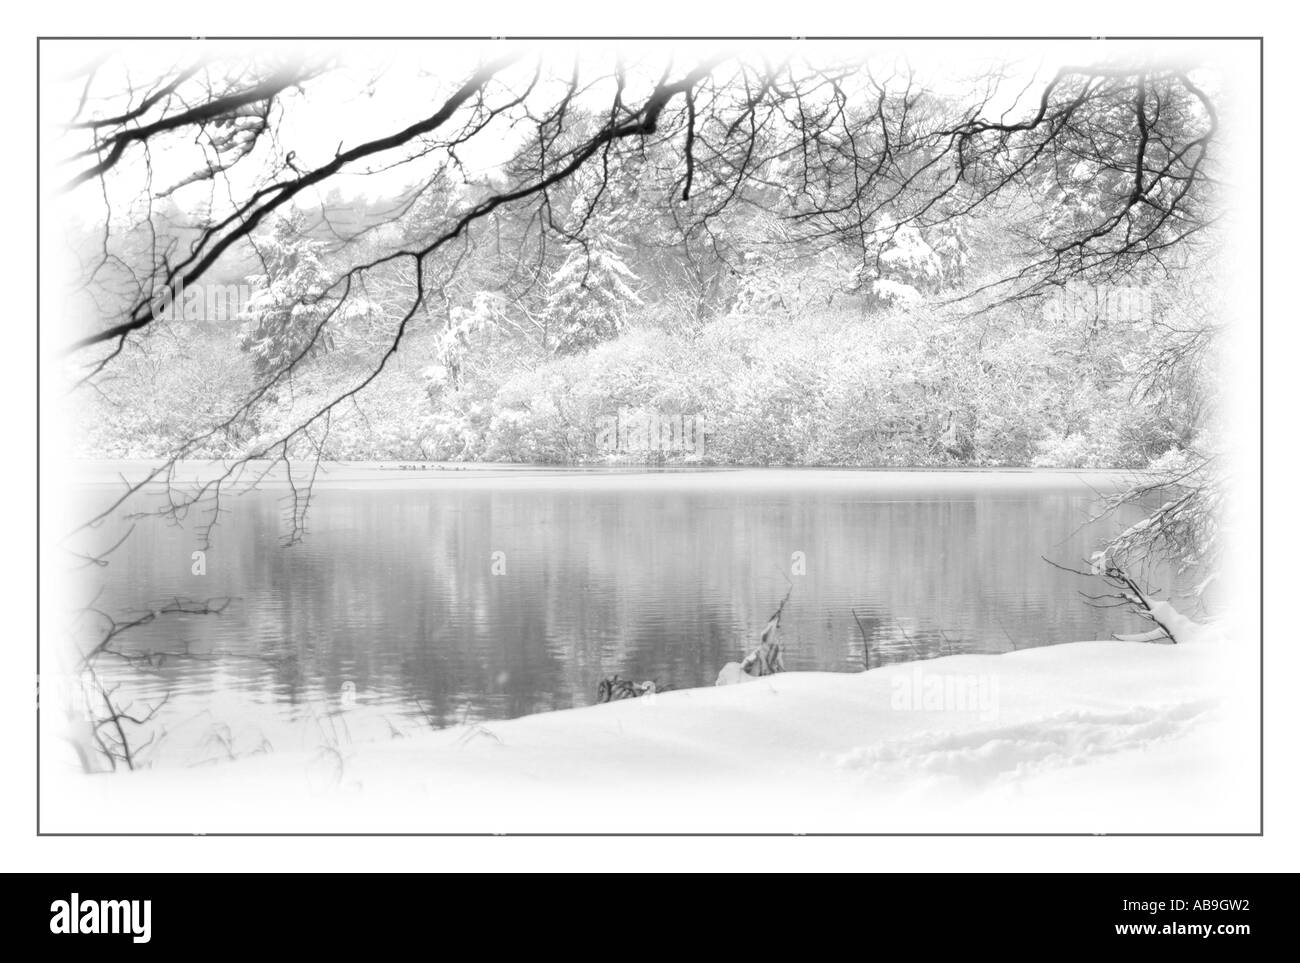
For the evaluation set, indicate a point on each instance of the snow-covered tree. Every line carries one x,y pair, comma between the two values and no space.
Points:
589,297
456,341
906,268
284,313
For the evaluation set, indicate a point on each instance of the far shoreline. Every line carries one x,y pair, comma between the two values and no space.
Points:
96,473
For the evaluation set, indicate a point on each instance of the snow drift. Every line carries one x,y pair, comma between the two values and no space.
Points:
1096,737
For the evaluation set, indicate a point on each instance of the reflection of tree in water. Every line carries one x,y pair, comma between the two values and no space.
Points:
394,591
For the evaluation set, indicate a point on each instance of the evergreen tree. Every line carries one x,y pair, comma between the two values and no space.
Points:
907,267
282,314
589,297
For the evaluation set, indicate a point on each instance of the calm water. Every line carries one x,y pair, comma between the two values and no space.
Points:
389,616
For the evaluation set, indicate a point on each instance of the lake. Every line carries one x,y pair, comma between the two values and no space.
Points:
437,597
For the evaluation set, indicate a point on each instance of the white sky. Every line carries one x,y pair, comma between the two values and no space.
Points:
383,86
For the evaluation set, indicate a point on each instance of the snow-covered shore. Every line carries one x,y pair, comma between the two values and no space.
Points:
1097,737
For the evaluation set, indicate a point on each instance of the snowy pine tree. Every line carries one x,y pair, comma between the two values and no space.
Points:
282,315
907,267
589,297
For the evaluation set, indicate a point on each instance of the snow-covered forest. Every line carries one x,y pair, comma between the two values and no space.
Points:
840,264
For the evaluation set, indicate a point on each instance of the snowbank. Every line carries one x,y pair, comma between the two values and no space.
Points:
1098,737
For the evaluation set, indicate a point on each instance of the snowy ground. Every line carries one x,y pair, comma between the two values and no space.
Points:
1097,737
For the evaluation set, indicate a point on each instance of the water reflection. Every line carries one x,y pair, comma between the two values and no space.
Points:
486,600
